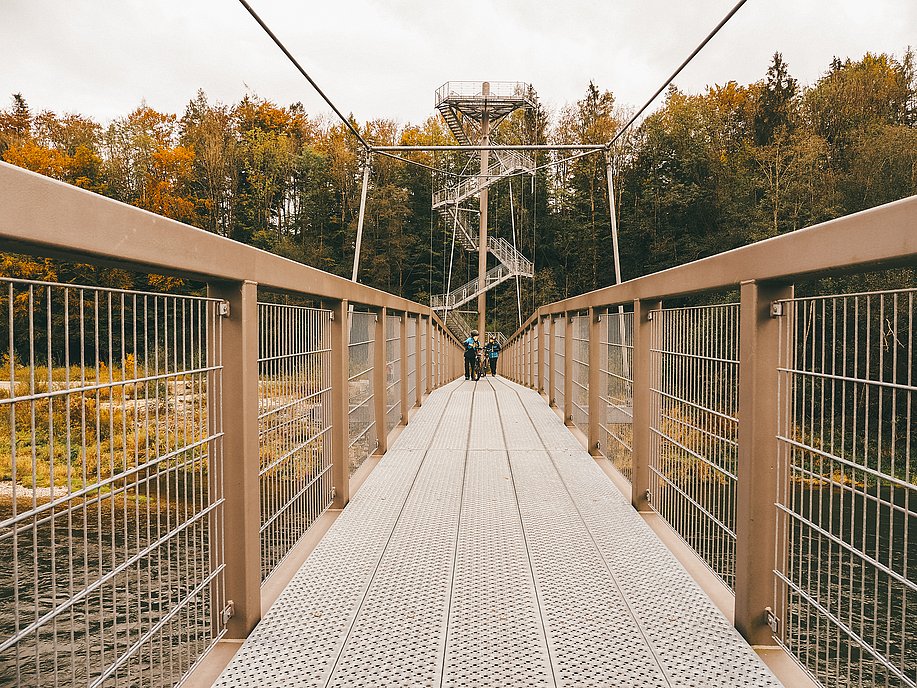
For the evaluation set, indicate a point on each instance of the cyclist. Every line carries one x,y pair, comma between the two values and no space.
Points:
492,350
472,346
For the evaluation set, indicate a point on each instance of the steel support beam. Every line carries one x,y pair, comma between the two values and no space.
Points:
379,381
596,405
568,369
340,406
644,371
238,394
756,487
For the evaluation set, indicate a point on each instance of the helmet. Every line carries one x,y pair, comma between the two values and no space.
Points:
493,336
474,333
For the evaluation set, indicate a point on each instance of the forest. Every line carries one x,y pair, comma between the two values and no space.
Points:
702,174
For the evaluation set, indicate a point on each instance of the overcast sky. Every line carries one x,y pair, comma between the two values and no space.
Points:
385,58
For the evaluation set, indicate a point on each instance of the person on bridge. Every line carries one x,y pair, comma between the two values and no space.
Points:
472,346
492,349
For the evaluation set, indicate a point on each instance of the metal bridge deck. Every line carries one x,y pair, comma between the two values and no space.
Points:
488,549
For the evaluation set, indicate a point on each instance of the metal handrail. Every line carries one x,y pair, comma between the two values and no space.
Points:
270,420
771,434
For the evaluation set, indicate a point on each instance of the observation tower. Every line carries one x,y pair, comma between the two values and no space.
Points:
473,110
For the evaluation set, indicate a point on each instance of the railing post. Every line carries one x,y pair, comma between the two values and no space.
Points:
340,406
596,405
549,355
642,417
757,489
568,369
241,463
379,392
405,405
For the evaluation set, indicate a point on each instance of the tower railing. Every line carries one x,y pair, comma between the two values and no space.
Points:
166,455
774,435
475,89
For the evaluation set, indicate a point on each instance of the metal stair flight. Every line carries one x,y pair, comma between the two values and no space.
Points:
466,103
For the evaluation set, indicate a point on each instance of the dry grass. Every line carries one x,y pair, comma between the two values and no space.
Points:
76,438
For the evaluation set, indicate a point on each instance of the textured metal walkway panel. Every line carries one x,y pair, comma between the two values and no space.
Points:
323,597
477,568
592,636
496,636
694,643
485,423
417,433
397,637
453,430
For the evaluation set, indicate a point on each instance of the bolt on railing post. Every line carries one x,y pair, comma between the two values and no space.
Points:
340,406
405,404
568,369
643,413
757,489
379,391
238,396
596,405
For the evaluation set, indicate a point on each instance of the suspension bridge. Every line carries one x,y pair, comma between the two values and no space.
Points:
261,492
282,479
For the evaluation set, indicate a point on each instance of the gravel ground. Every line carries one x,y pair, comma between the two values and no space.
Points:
6,490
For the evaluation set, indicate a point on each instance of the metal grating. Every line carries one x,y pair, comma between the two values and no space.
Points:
579,355
481,567
412,359
393,380
846,584
617,391
294,423
361,414
694,389
109,571
559,351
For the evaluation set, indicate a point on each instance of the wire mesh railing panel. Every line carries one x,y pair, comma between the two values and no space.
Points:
361,413
694,404
579,356
548,332
111,493
393,382
411,356
846,580
294,424
617,391
536,354
558,330
423,343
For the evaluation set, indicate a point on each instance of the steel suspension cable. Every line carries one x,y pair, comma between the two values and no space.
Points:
684,64
302,71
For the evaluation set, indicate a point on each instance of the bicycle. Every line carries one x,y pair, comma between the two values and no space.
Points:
480,367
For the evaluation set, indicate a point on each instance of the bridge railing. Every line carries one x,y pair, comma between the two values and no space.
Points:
165,455
772,427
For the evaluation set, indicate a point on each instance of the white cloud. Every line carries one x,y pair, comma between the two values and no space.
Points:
385,59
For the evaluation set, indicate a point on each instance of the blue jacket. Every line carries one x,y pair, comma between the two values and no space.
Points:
492,349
